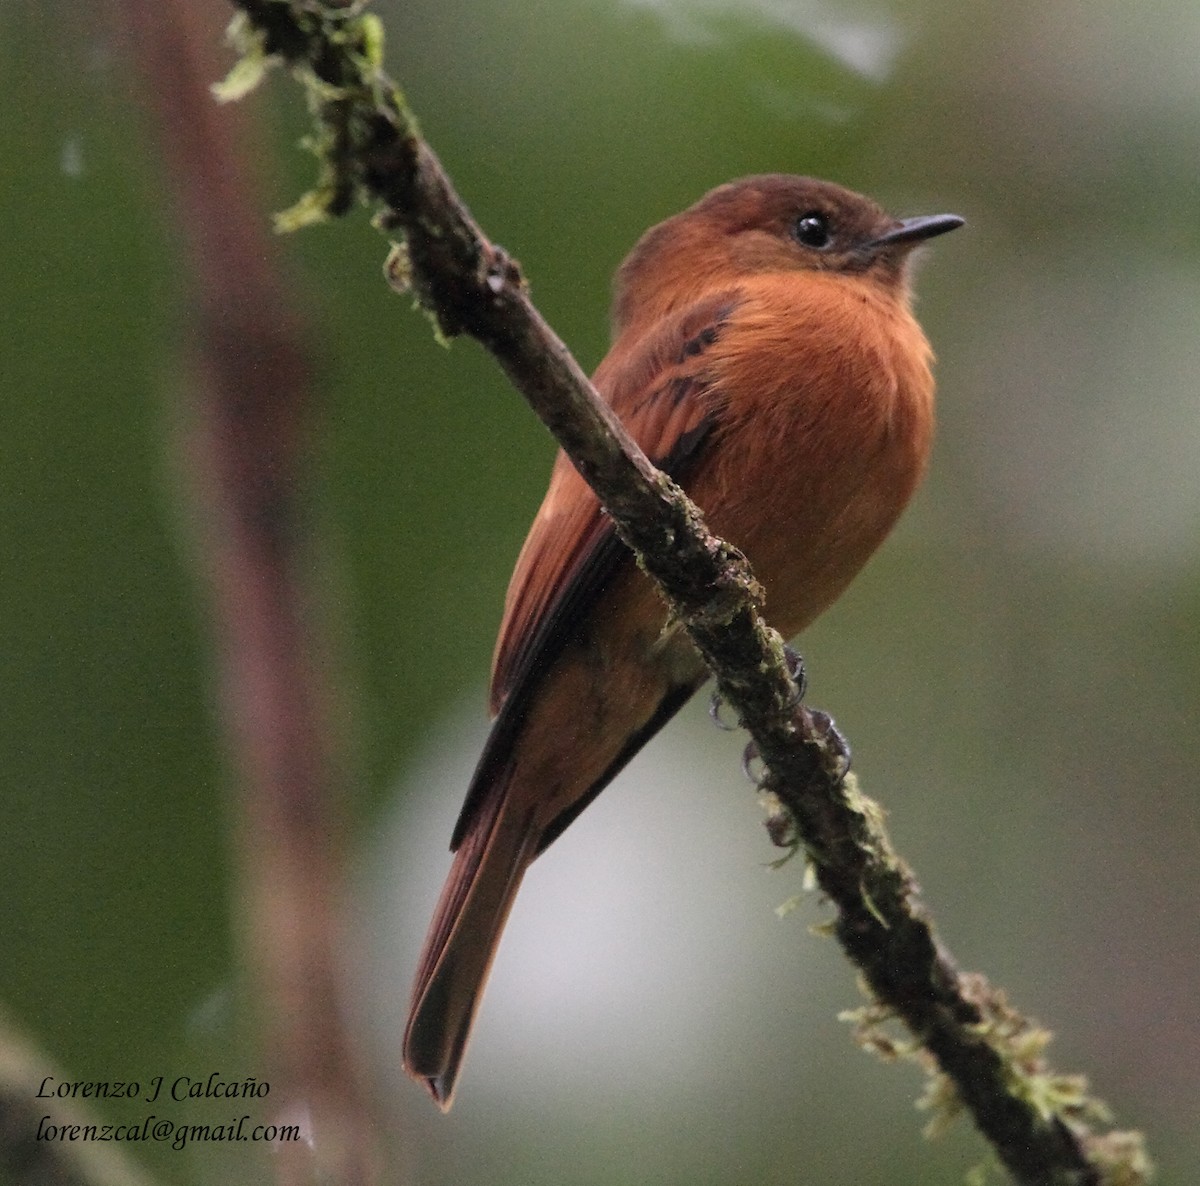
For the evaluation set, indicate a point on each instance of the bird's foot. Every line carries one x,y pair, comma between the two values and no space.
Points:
823,726
796,669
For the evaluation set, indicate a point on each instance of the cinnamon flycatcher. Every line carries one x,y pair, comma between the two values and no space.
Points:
766,356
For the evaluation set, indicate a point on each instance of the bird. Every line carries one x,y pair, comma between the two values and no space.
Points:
765,355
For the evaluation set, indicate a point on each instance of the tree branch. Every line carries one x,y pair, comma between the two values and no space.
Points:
1039,1123
44,1139
245,406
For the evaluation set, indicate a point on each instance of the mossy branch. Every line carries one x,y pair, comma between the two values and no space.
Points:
983,1056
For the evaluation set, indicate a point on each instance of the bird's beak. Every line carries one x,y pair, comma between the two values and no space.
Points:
914,230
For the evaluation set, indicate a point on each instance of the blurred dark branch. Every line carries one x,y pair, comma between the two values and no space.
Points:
244,417
1038,1122
32,1152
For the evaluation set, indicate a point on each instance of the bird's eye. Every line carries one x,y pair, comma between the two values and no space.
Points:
812,230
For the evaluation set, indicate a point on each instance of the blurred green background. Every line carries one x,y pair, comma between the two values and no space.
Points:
1017,670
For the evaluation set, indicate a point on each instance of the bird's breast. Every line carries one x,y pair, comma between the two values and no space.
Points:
825,425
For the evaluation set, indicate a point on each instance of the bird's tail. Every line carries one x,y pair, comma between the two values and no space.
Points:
461,944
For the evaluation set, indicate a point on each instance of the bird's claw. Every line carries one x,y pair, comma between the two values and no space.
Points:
796,669
823,725
795,666
715,704
750,756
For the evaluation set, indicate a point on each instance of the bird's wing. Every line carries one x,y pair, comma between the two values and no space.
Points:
661,389
661,392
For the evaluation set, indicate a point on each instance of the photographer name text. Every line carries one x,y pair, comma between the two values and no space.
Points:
183,1087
